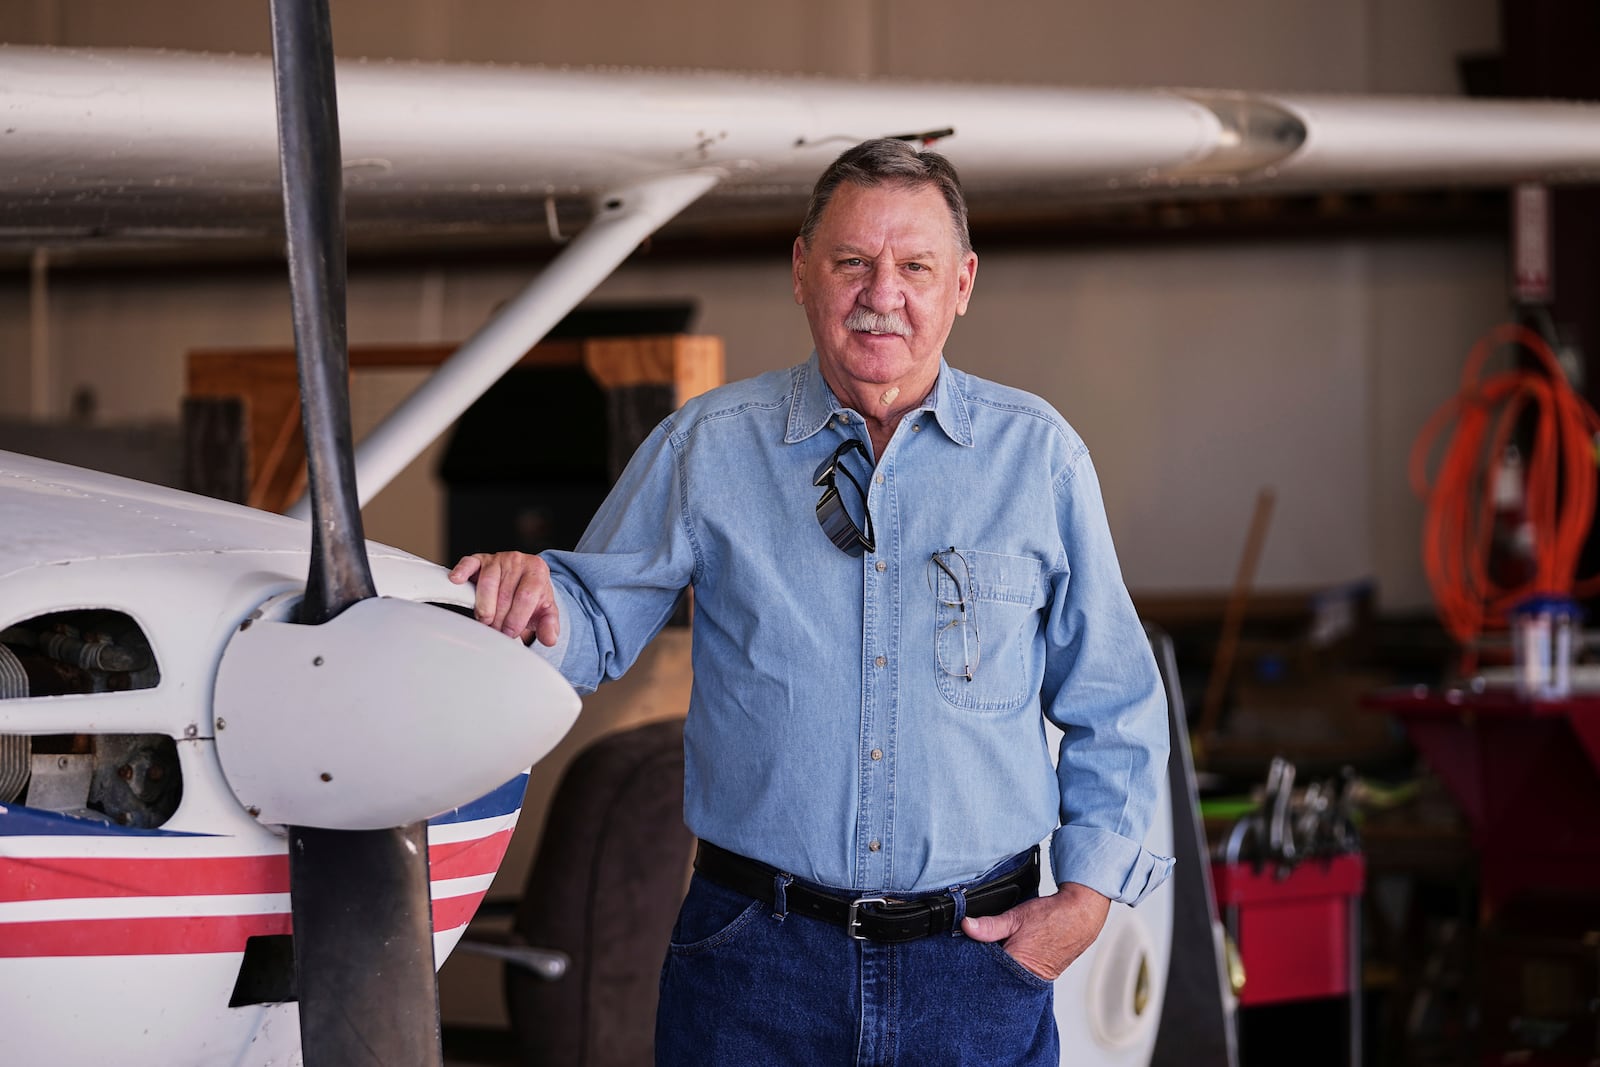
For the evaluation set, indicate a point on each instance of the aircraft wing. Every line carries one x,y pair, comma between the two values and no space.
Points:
127,145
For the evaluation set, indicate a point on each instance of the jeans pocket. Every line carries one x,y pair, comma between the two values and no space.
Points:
710,917
1013,967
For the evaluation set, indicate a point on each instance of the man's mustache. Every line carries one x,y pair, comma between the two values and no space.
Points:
876,322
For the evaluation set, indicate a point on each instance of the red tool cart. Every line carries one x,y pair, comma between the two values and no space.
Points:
1289,882
1298,928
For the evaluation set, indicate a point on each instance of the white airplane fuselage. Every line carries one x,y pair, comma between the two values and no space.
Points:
123,943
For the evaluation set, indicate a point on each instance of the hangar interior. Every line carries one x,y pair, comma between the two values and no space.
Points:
1250,375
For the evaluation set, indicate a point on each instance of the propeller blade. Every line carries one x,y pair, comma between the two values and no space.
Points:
313,205
363,925
363,1002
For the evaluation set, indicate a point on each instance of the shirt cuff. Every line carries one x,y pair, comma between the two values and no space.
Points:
1108,863
556,654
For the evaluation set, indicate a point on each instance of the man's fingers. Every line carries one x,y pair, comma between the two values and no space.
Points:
544,627
488,597
548,627
524,594
485,570
1013,928
991,927
465,568
1046,934
513,595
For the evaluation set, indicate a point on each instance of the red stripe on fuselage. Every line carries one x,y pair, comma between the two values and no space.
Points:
169,936
164,936
468,859
79,877
84,877
452,912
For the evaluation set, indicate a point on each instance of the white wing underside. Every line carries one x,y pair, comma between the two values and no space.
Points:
149,144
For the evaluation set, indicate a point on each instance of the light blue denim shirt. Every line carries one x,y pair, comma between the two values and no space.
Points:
831,730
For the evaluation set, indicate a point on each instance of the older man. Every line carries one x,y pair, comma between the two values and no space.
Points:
866,758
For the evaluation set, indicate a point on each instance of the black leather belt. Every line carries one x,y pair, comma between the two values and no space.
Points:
873,917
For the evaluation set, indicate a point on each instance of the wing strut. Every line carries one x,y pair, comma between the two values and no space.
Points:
627,216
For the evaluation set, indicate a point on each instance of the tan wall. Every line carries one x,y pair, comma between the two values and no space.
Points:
1197,375
1307,45
16,347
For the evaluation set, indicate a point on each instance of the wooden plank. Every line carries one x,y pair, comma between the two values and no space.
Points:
266,382
212,365
700,366
691,364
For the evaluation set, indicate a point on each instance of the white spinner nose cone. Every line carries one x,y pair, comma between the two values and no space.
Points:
389,714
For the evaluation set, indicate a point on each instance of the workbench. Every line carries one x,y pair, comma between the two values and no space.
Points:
1526,776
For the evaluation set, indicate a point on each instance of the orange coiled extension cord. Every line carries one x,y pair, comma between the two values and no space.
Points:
1559,495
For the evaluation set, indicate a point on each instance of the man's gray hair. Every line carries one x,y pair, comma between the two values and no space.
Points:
890,160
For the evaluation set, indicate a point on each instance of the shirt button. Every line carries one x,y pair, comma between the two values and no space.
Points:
916,427
882,566
879,479
873,845
882,661
877,753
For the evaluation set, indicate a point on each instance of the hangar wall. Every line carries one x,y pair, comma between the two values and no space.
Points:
1197,374
1304,45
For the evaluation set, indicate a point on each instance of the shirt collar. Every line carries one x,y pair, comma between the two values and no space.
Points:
813,404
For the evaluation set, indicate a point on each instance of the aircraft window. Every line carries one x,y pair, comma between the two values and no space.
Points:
126,779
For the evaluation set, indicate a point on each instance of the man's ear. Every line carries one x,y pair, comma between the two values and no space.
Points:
799,268
964,282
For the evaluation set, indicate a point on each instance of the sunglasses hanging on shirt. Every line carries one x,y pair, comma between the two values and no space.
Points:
833,513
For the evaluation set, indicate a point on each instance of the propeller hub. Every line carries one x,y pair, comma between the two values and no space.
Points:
389,713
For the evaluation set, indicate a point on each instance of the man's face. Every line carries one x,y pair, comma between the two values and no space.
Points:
882,281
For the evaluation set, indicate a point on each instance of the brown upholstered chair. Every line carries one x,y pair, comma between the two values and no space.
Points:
603,892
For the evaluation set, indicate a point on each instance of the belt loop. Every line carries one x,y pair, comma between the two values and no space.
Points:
780,900
959,895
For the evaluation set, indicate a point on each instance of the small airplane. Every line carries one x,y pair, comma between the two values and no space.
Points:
145,900
167,730
238,823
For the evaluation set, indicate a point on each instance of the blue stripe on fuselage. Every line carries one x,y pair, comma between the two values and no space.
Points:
19,821
503,801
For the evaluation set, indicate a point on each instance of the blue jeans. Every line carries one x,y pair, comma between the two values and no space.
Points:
746,985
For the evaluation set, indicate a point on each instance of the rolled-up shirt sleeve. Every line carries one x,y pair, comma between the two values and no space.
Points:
1102,688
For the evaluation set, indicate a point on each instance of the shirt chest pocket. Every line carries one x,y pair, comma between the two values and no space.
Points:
986,615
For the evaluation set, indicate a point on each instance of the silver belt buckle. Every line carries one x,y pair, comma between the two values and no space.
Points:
853,922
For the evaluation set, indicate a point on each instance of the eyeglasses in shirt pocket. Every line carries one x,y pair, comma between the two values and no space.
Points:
985,618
